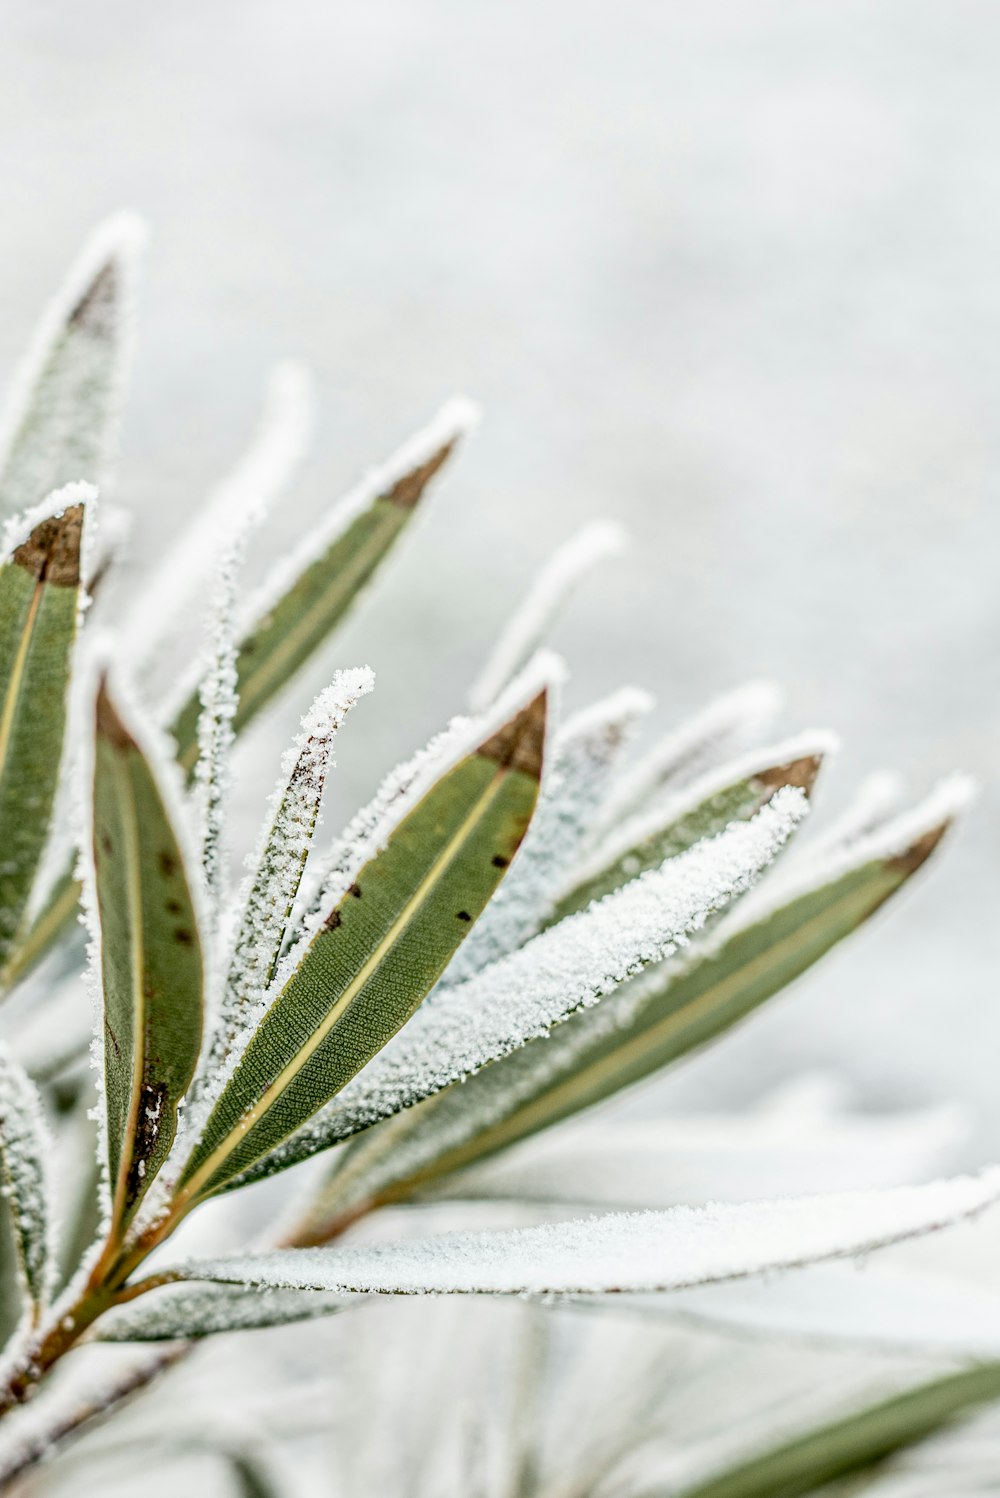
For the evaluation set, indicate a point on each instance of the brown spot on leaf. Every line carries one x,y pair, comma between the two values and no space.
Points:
519,744
95,311
148,1126
463,915
52,551
174,907
184,936
406,491
499,862
107,846
109,724
167,862
355,890
332,921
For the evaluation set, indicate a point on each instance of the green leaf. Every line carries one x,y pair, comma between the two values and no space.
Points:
855,1442
379,952
646,1025
302,610
62,425
39,606
733,793
25,1150
151,963
175,1312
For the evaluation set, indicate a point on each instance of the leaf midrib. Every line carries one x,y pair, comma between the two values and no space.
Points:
269,1097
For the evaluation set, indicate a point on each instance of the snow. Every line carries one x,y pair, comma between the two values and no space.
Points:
565,569
572,965
623,1252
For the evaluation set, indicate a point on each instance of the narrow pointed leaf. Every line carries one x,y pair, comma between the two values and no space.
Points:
378,952
177,1312
627,1252
151,962
61,425
580,962
733,794
661,1017
301,608
851,1444
39,606
25,1152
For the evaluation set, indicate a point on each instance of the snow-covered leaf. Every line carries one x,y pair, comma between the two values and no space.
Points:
852,1443
700,810
150,959
577,963
663,1015
585,753
378,951
61,423
548,593
39,609
636,1252
309,594
189,1312
269,894
25,1152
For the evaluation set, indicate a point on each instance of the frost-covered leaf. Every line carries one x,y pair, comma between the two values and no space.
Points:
729,725
61,422
378,952
268,896
25,1153
700,810
577,963
585,753
548,593
311,591
39,608
190,1312
638,1252
150,959
854,1442
665,1014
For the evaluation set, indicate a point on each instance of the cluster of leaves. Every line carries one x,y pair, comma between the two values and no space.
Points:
508,934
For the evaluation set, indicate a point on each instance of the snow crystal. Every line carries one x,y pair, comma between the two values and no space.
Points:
560,575
572,965
623,1252
730,722
584,755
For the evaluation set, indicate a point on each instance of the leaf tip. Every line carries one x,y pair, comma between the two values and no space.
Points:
51,552
520,743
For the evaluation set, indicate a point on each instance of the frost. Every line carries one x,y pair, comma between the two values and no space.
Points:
25,1152
163,609
216,734
637,1252
571,966
731,722
206,1310
584,755
265,902
60,421
546,597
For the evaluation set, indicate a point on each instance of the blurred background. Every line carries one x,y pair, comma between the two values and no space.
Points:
725,272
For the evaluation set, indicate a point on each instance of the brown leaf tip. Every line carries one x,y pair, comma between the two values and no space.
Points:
96,312
109,722
52,551
800,773
910,859
406,491
520,743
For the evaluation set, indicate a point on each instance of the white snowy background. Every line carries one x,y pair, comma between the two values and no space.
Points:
725,272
